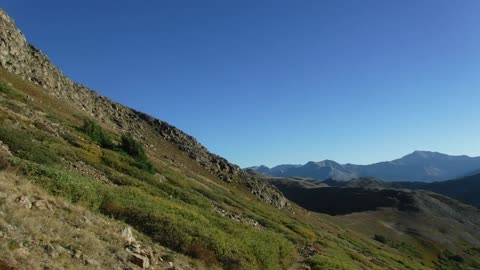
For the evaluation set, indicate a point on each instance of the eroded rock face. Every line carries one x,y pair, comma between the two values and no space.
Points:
264,190
28,62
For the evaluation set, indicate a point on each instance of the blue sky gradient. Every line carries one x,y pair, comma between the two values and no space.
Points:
271,82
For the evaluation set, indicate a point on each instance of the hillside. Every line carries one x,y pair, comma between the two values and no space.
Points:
119,165
78,238
422,166
108,174
407,219
465,189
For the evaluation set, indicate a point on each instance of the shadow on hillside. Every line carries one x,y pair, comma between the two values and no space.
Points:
341,201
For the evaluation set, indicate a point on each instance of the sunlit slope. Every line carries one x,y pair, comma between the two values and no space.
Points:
113,161
177,204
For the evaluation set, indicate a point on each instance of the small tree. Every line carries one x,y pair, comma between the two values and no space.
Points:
135,149
132,147
96,133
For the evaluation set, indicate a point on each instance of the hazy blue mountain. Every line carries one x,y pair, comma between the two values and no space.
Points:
422,166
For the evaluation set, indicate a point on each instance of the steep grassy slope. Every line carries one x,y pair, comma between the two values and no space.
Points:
123,166
39,231
175,206
180,205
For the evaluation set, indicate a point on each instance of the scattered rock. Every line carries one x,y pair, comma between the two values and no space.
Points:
61,250
307,251
90,262
140,260
23,252
42,205
236,217
87,170
10,228
151,256
51,251
134,248
4,149
127,235
77,254
86,220
24,201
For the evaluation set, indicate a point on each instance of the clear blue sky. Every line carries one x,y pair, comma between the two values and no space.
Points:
270,82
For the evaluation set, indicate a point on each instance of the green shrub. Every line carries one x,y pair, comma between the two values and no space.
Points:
321,262
24,145
11,92
70,185
194,231
97,134
70,138
303,231
132,147
5,89
136,150
127,165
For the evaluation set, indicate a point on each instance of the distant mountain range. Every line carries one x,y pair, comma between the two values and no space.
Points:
420,166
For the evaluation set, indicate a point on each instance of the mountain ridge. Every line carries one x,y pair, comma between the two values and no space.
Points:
423,166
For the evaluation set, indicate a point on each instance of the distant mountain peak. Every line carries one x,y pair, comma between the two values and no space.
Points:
420,165
420,154
423,153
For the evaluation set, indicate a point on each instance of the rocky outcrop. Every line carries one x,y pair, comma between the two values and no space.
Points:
264,190
28,62
236,217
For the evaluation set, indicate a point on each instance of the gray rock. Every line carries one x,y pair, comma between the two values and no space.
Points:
140,260
77,254
88,261
61,250
127,235
51,251
86,220
24,201
42,205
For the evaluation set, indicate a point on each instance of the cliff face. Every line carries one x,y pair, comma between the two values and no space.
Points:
19,57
